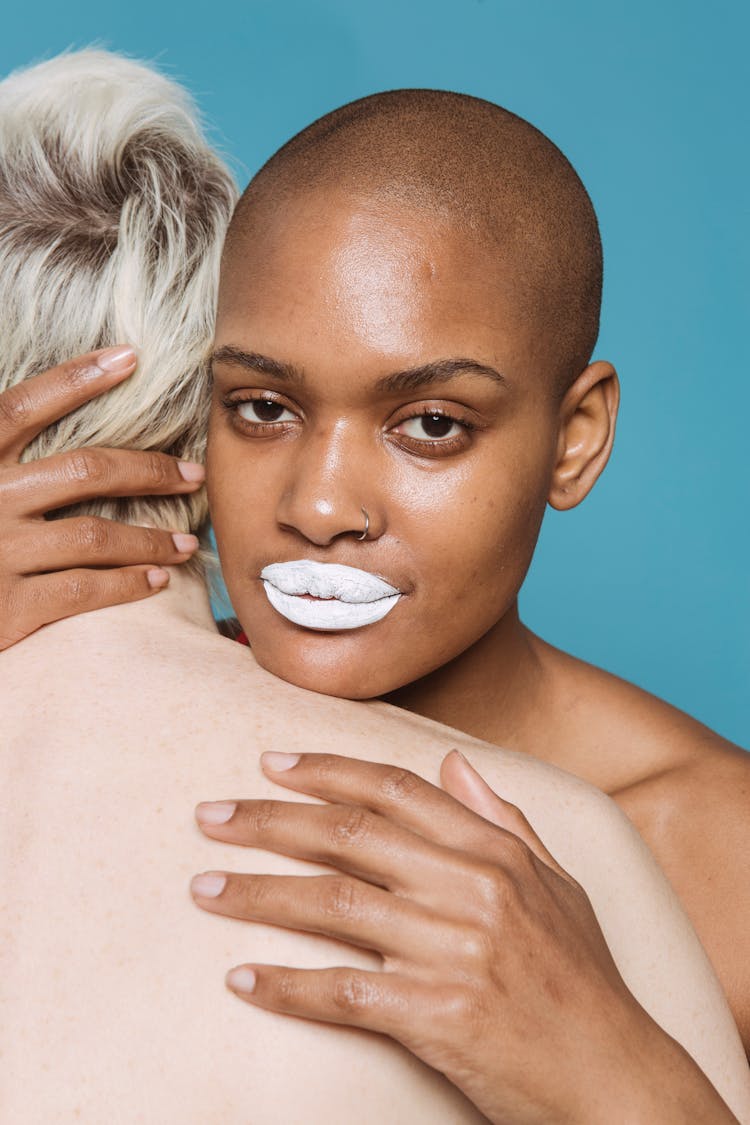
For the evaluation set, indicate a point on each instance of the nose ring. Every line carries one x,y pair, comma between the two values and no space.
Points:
367,526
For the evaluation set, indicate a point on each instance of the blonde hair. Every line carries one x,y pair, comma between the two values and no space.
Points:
113,210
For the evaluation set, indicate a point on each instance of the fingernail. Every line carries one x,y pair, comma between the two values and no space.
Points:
215,812
116,360
190,470
185,544
208,885
157,578
274,760
241,978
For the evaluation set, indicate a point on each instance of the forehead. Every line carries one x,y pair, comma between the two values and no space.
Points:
329,270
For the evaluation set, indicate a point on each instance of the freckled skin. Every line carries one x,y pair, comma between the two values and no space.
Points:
350,292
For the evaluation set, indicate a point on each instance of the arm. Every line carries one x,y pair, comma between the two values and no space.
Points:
53,569
495,969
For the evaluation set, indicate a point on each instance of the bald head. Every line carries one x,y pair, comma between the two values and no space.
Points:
494,178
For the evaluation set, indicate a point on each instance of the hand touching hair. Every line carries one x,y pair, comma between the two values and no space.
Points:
113,210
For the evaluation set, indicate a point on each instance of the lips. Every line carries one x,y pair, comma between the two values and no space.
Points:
327,596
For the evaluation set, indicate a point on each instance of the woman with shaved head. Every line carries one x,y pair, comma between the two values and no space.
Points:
401,382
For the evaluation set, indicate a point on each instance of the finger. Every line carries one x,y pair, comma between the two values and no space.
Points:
48,545
462,781
85,474
51,597
30,406
384,1002
335,906
352,839
394,792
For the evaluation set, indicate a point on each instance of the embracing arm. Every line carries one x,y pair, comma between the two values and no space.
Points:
495,970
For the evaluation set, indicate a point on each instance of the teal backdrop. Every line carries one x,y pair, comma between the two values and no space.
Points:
649,577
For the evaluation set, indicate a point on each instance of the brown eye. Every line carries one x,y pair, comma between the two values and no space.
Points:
264,410
436,425
430,427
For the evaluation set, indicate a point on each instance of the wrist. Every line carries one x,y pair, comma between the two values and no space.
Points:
650,1079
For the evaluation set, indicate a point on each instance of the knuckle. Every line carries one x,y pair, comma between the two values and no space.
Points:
513,817
475,945
151,546
399,784
286,988
87,466
352,993
515,850
92,534
75,374
157,469
463,1008
261,815
15,407
154,545
338,899
78,589
326,766
352,827
494,890
255,893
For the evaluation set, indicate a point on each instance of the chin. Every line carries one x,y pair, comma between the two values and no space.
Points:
330,664
339,687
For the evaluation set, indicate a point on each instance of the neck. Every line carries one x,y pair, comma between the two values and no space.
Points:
493,691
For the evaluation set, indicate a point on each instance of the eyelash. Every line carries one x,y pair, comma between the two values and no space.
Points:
438,446
426,447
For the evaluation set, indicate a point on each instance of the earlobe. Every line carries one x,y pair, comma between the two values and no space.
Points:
587,430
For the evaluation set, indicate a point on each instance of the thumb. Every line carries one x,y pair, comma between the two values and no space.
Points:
459,778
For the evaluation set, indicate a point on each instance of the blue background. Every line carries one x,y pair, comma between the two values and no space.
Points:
649,577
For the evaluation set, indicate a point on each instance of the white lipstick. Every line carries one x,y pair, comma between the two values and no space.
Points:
339,597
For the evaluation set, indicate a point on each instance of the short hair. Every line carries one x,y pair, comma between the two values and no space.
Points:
488,172
113,211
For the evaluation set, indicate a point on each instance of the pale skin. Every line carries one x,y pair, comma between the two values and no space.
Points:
601,379
108,673
109,971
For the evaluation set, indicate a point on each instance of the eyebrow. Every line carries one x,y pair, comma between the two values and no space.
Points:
254,361
439,371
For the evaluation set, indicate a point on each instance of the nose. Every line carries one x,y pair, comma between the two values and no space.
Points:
328,492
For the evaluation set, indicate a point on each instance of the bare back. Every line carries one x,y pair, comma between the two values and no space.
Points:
113,1005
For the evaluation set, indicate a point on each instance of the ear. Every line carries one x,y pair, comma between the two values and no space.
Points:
588,414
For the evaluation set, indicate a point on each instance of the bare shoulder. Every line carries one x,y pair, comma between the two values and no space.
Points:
695,817
687,791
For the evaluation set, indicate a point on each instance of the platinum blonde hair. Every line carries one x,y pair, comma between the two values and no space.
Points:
113,210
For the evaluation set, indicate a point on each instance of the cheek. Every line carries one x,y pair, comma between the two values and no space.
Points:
475,535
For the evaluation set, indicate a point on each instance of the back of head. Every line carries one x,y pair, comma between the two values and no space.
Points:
493,176
113,211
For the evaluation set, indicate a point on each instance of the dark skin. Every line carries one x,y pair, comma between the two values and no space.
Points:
453,520
656,1079
579,433
50,570
358,325
480,940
